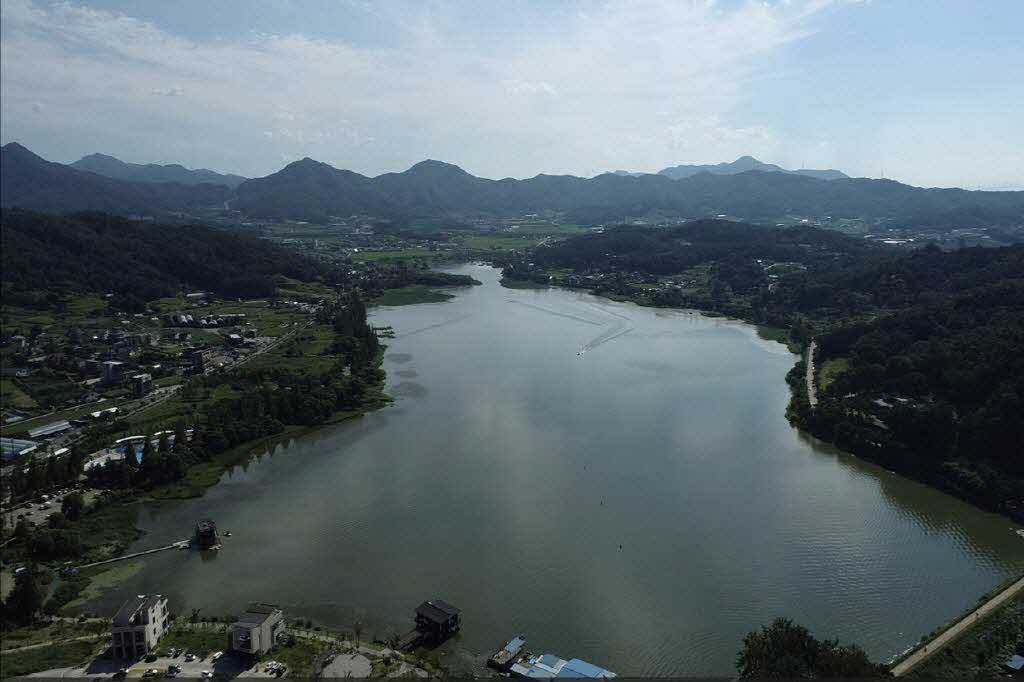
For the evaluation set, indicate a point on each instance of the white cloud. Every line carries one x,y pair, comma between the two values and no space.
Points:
624,85
176,91
519,87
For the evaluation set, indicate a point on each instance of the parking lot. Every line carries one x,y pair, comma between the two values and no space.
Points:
226,666
37,512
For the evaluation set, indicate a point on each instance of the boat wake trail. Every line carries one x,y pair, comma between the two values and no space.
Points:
621,326
567,316
607,311
610,335
458,318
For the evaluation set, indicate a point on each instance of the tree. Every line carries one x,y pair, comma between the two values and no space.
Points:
73,506
784,649
25,599
21,530
357,630
150,459
180,436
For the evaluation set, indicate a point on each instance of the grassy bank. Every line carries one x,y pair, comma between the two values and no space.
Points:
48,657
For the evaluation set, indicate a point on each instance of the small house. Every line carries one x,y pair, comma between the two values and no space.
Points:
438,619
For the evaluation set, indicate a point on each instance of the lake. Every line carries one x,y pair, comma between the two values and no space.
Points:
618,483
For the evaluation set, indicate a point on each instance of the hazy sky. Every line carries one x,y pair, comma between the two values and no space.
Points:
930,91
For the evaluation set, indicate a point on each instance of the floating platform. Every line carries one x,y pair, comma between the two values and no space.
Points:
503,658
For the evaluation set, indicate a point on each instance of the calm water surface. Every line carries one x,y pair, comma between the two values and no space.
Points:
641,505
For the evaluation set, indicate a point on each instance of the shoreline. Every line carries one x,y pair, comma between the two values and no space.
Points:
800,409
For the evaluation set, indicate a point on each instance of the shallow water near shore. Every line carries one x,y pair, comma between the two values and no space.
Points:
618,483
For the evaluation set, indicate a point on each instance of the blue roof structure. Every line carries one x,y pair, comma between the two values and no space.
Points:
549,665
515,645
1016,663
584,669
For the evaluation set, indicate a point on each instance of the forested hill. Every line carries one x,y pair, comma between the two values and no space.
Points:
315,190
932,383
112,167
663,251
31,182
47,255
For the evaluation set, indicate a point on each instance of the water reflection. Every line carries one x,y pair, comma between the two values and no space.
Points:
642,505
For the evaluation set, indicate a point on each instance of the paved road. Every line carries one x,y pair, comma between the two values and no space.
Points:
937,644
812,394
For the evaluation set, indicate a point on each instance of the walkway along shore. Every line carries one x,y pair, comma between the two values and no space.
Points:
933,647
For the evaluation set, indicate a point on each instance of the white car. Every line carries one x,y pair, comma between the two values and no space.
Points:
207,674
190,657
216,656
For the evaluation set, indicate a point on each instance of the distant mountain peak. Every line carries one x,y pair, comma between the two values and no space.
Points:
744,164
434,167
96,156
113,167
20,151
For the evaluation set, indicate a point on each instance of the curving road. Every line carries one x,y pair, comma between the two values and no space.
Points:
812,395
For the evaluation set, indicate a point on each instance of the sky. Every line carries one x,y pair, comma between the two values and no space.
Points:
928,92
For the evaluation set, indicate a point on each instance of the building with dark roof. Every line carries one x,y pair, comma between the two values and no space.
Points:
438,619
138,625
257,629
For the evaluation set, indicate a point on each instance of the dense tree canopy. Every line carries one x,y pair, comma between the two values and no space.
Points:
786,650
44,256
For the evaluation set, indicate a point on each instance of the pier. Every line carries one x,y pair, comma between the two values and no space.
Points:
173,545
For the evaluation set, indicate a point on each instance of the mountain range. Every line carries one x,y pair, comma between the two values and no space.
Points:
111,167
313,190
29,181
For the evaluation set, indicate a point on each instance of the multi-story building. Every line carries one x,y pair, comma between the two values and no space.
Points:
138,626
257,629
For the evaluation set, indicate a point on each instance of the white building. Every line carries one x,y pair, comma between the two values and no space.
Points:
257,629
138,625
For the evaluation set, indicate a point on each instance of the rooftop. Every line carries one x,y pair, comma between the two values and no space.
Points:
257,614
132,606
437,610
49,429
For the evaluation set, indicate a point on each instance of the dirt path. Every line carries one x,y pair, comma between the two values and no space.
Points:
812,394
936,645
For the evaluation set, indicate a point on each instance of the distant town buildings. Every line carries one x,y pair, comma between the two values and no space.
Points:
113,371
50,430
142,384
138,625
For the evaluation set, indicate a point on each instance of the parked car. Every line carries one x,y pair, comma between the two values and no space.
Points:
189,657
216,656
207,674
152,672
